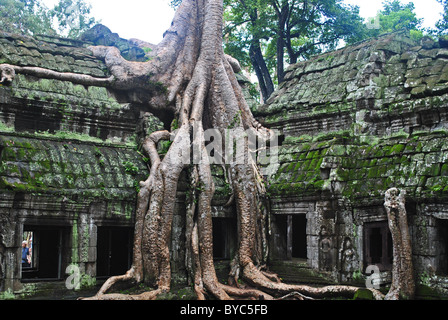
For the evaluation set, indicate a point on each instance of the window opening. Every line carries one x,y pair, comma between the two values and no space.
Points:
443,247
378,248
41,253
114,251
224,235
292,236
299,240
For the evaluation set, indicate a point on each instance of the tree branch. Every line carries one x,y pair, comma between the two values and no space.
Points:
9,71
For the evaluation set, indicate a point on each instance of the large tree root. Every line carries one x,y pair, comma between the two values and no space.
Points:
403,283
201,90
254,276
9,71
202,85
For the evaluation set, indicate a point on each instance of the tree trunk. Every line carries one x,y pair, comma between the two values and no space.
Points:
261,70
403,284
282,14
201,90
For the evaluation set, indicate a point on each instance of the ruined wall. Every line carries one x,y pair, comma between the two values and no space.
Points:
69,159
68,155
356,122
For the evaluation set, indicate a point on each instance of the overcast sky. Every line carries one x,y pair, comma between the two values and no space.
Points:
148,19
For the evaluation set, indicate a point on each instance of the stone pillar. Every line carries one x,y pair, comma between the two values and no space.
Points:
313,223
324,230
87,244
10,258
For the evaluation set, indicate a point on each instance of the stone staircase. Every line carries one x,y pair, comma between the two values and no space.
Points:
297,271
294,271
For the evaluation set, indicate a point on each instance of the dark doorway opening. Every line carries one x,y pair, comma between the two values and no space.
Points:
299,241
443,247
224,238
114,251
290,236
46,246
280,237
378,248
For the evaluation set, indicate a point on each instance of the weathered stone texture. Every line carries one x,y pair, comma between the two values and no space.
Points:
357,122
68,155
392,83
68,158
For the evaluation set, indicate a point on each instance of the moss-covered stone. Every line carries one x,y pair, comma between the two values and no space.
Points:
363,294
63,166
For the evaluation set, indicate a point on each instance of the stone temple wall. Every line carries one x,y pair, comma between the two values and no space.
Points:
354,123
69,166
357,122
69,169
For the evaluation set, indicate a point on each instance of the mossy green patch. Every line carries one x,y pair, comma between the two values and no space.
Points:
363,294
63,167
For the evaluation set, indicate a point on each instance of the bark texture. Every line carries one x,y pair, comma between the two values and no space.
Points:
201,91
8,72
403,283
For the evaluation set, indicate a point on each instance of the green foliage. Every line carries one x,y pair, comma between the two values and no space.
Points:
7,295
68,18
363,294
67,135
5,128
397,16
174,124
130,168
25,16
244,22
87,282
286,31
442,24
164,146
416,35
72,17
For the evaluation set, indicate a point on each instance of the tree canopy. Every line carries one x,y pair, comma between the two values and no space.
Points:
442,24
68,18
396,16
201,92
264,35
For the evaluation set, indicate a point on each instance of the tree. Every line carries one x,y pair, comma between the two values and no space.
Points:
191,78
396,16
201,92
72,17
68,18
274,32
266,35
403,284
305,28
249,26
442,24
25,16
